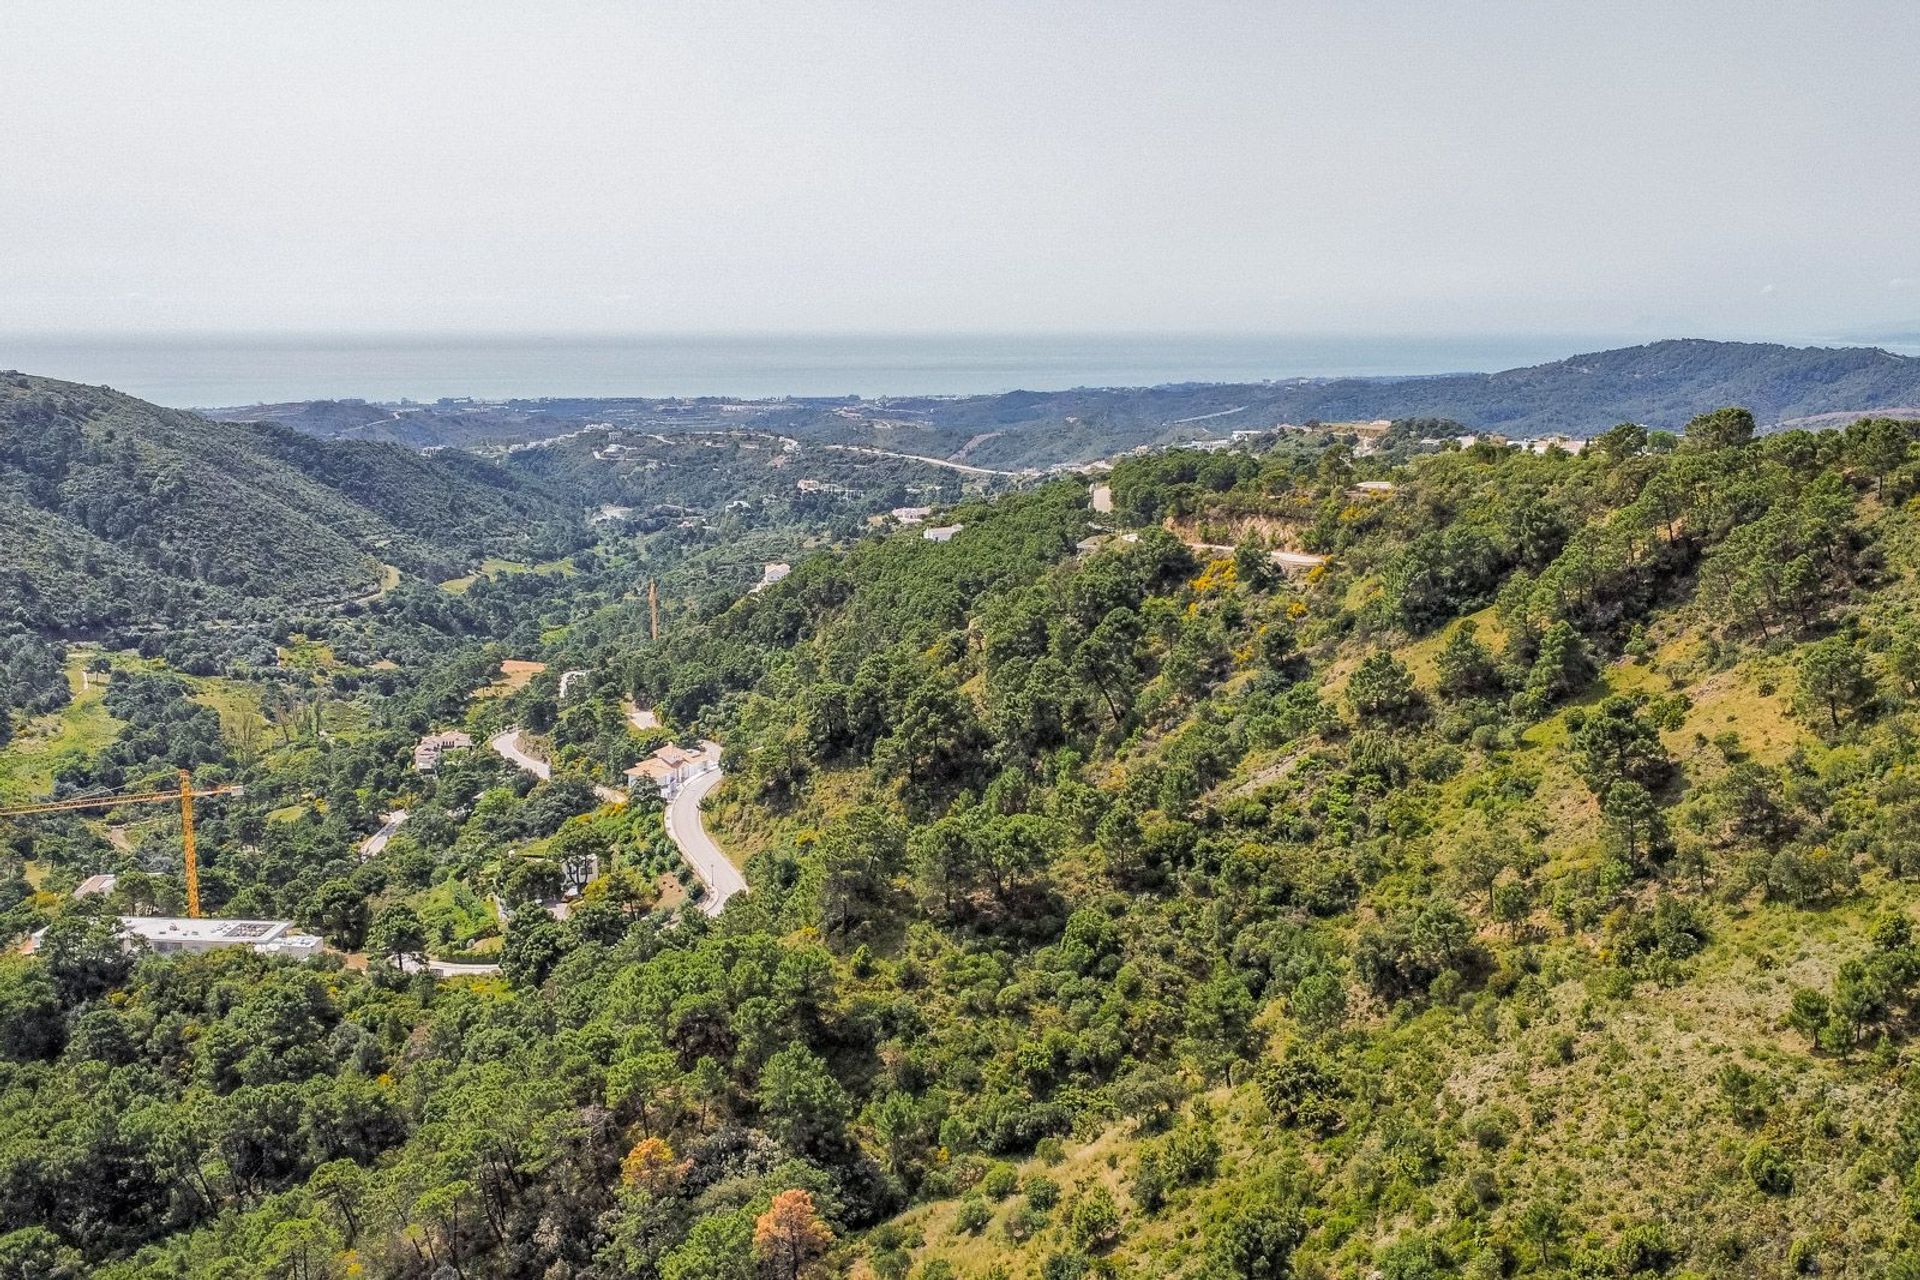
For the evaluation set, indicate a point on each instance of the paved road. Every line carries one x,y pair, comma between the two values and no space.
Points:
966,467
373,844
507,743
686,829
1285,559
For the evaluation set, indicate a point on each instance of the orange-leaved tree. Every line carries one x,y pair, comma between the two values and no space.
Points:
790,1236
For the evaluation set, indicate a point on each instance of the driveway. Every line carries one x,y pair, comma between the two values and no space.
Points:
447,968
373,844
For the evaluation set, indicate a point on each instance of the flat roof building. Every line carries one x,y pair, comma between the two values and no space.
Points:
182,935
95,884
172,934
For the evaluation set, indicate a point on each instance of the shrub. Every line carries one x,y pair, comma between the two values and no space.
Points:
1042,1192
1094,1222
1000,1181
1767,1169
973,1216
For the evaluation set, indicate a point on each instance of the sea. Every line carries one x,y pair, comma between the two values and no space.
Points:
218,370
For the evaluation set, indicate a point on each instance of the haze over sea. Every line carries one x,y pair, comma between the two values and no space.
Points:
216,370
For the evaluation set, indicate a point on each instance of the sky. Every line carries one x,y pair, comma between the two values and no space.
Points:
1044,166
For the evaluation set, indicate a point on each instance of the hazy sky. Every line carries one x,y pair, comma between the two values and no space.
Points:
1741,168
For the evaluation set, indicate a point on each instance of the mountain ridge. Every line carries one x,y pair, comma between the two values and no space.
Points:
1659,384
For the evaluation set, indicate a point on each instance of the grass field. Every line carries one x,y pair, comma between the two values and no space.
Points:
493,568
76,730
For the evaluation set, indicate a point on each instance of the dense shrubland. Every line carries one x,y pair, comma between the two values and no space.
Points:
1526,891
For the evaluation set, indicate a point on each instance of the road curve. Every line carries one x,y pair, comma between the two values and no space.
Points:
507,744
686,830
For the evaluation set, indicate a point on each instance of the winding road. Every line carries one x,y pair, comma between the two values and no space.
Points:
684,826
966,467
686,830
507,744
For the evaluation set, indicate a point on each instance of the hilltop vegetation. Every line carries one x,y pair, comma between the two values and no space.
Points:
1527,890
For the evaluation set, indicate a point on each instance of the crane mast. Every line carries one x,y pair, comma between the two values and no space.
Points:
187,851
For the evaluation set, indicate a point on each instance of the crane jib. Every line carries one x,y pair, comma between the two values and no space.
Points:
184,795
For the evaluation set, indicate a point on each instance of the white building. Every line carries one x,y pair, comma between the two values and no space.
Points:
671,767
103,883
1547,443
770,574
911,515
174,935
427,751
943,533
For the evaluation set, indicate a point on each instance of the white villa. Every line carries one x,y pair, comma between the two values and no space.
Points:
671,767
427,751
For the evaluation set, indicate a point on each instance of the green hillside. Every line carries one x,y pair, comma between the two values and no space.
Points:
1527,890
114,512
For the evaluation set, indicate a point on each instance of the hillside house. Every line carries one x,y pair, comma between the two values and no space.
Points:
100,884
428,751
671,767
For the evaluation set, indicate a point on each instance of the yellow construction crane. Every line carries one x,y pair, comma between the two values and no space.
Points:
185,796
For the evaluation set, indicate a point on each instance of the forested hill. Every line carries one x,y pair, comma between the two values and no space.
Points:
1527,890
114,511
1659,385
